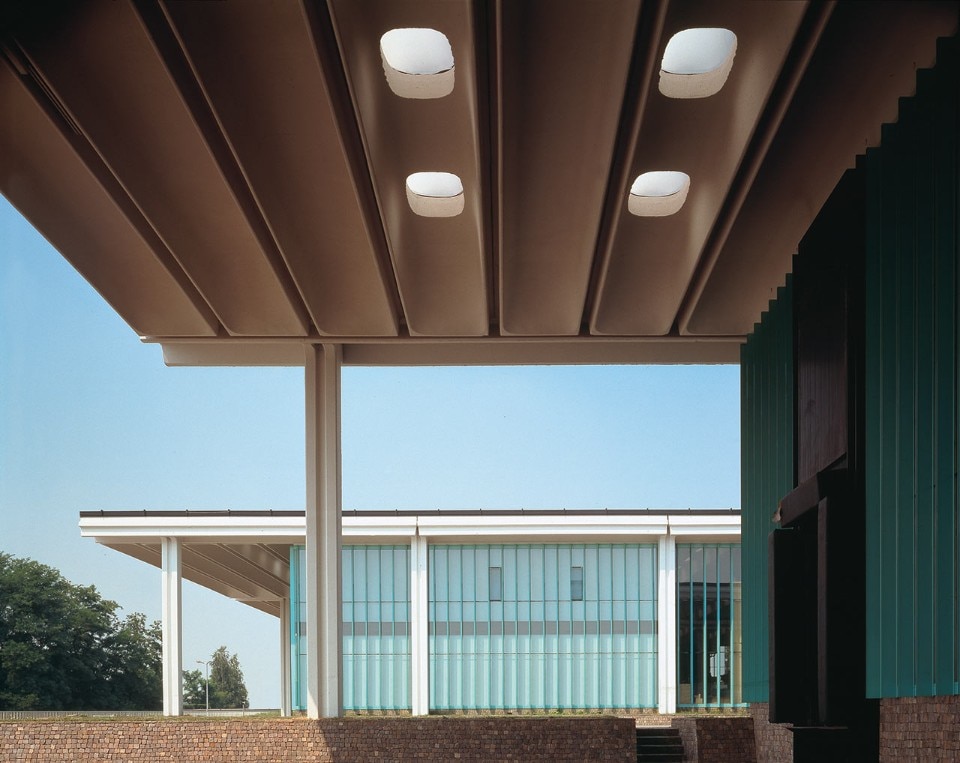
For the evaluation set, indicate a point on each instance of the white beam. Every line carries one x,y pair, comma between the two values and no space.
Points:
525,527
172,630
419,633
667,625
474,351
288,527
323,532
285,664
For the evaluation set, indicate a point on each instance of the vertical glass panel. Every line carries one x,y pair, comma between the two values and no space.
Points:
439,572
496,584
708,625
563,579
456,564
551,578
509,564
594,558
576,583
376,641
523,573
683,563
536,571
723,564
696,564
476,563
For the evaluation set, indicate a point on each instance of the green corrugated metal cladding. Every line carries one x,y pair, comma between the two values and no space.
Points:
911,392
766,409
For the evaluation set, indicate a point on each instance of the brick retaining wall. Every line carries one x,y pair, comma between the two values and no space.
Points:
717,740
920,728
328,740
774,740
688,734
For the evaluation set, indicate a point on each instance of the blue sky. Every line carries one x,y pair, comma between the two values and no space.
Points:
90,418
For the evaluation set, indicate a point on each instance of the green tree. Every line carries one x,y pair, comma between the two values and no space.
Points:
62,646
227,688
137,664
194,689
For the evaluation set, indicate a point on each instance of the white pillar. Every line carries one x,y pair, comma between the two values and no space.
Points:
419,633
285,666
324,678
667,625
172,630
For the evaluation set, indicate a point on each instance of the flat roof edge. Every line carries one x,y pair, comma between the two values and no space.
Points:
103,513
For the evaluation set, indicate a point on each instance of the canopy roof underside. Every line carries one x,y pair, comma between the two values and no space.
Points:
231,176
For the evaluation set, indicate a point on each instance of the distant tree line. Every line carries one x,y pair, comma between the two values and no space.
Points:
227,688
63,647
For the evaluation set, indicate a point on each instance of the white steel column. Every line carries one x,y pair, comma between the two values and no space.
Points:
172,630
323,591
667,625
285,666
419,633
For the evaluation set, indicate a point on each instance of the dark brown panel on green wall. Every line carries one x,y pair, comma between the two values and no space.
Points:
831,250
827,506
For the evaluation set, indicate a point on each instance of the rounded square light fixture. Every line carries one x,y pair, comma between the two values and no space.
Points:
435,194
658,194
696,62
418,63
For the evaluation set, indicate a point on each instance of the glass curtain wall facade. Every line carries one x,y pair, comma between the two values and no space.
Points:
543,626
709,653
376,628
531,626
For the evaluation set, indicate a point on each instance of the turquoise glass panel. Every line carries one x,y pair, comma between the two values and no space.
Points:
376,628
543,643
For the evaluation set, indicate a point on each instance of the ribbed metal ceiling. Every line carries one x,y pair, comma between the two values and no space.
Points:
231,176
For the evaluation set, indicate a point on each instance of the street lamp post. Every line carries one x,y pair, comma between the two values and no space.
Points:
206,665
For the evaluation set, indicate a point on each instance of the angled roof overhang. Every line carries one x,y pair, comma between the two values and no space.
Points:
231,176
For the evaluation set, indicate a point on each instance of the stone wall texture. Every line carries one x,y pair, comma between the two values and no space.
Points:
717,740
774,740
920,728
328,740
688,734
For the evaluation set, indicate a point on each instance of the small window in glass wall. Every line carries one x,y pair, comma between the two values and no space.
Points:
496,584
576,584
708,625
